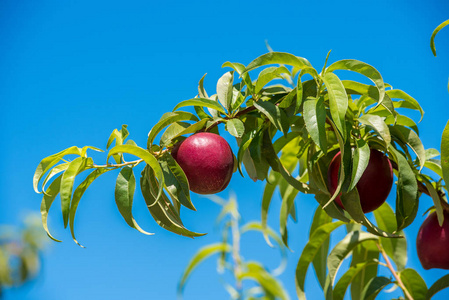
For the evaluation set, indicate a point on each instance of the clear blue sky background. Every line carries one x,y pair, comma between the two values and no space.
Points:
72,71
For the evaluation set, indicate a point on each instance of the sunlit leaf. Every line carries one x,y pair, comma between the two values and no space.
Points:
408,101
338,100
68,178
49,196
445,153
167,119
378,124
409,137
347,278
278,58
360,161
224,89
235,127
315,119
77,194
374,287
275,114
48,162
434,33
124,195
146,156
268,75
181,128
203,102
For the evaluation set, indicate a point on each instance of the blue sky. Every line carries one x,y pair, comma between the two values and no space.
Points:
72,71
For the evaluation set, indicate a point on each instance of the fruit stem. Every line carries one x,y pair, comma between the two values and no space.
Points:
393,271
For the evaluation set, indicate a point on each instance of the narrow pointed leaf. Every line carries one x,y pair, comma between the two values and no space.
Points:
268,75
435,198
409,137
48,162
146,156
278,58
408,100
124,195
167,119
434,33
77,194
374,287
49,196
338,100
364,69
315,119
224,89
359,162
445,153
200,102
181,128
68,178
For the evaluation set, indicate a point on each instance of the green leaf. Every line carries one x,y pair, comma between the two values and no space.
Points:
434,33
167,119
406,193
351,202
360,161
124,195
68,178
437,286
347,278
320,235
315,119
198,258
435,166
268,75
201,91
224,89
272,287
77,194
374,287
176,181
343,249
276,115
147,157
49,162
414,283
181,128
240,68
49,196
319,262
409,137
378,124
445,153
408,101
161,208
235,127
200,102
279,58
364,69
56,170
338,100
396,249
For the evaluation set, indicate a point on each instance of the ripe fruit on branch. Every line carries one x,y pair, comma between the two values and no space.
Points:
207,160
432,242
374,184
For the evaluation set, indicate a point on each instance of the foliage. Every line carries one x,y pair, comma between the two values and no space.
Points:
20,252
289,121
267,286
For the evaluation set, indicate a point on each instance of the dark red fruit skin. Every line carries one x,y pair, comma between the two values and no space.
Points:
375,184
207,160
432,243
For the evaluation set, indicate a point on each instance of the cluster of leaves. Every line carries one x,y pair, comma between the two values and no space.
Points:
264,284
288,124
20,252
